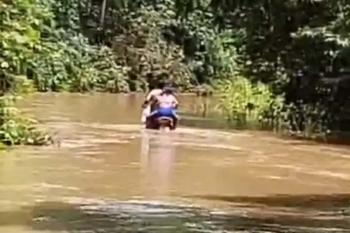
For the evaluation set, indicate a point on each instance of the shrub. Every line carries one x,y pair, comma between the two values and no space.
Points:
243,102
16,129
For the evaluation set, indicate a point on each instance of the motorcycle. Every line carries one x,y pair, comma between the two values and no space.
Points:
160,123
165,123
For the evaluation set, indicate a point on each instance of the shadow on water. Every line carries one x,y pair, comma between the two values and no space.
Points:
111,216
317,201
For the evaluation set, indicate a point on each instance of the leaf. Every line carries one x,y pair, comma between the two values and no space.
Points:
4,65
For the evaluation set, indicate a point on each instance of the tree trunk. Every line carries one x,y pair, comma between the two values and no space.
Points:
103,13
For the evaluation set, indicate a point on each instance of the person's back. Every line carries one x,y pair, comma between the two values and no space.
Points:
167,100
167,103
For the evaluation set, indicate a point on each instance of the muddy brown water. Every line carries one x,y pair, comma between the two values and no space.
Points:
108,174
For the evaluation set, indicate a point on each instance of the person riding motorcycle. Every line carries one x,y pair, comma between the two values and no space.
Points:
166,106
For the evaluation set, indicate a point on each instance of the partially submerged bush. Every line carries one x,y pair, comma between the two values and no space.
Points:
23,85
244,103
307,120
16,129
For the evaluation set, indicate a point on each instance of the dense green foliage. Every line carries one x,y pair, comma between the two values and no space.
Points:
16,129
300,49
19,34
280,63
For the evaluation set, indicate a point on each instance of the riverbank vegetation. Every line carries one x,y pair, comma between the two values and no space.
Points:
277,64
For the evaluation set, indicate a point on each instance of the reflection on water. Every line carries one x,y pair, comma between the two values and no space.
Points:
239,181
157,158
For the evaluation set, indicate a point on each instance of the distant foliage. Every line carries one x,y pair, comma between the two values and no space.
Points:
150,57
298,48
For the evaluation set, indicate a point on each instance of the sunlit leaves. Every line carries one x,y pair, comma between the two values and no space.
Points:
16,129
244,102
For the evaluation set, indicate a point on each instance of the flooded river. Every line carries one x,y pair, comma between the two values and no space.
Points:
108,174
